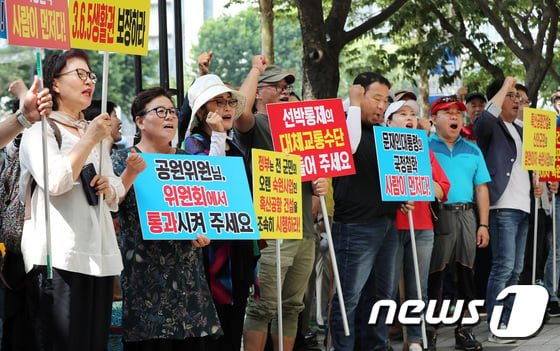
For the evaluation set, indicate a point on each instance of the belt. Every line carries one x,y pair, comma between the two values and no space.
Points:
458,206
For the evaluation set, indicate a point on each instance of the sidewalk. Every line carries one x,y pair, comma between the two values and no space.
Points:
548,339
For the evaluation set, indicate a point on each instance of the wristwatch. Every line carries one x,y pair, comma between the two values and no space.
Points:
22,120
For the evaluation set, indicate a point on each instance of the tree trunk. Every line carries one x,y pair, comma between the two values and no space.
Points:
320,58
535,72
267,29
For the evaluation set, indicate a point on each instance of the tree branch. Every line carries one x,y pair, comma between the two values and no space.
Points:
373,21
494,70
504,33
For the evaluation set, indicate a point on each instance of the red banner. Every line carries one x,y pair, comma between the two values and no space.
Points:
315,130
554,176
38,23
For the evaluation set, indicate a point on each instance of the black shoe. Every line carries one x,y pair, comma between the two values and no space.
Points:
465,340
431,335
553,309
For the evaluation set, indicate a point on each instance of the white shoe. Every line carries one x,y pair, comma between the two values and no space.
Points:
414,346
497,340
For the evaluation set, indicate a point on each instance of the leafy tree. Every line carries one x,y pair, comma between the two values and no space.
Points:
234,49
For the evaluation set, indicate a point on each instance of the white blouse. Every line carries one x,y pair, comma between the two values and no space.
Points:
81,241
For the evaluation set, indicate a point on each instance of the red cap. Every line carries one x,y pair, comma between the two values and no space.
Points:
444,102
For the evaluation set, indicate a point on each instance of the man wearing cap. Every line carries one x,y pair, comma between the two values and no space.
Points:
364,232
475,104
266,85
500,140
456,241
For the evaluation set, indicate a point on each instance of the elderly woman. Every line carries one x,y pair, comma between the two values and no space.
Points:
403,114
71,311
230,264
166,300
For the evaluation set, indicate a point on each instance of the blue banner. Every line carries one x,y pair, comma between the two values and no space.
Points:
403,158
180,196
3,20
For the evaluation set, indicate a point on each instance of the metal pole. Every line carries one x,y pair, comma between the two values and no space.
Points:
179,53
334,267
45,174
163,47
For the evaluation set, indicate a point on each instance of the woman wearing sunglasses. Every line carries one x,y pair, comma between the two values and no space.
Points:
230,264
71,311
166,300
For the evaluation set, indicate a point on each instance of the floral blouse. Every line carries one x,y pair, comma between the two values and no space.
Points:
165,292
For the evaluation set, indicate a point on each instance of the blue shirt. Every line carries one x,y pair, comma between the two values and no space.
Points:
464,166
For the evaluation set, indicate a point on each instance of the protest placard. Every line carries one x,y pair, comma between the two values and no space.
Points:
554,175
539,139
404,164
3,20
110,25
179,196
38,23
277,194
315,130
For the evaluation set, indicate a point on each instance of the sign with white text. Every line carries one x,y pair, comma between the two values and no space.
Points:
404,165
315,130
180,196
38,23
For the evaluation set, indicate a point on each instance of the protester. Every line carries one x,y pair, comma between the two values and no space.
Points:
269,84
85,255
14,317
95,109
230,264
364,232
457,235
166,299
500,140
475,104
402,114
33,104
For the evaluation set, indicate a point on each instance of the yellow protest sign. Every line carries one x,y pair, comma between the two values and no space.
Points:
539,139
110,25
277,194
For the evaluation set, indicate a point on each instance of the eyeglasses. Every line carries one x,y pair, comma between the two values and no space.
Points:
525,101
223,102
514,97
82,74
163,112
279,88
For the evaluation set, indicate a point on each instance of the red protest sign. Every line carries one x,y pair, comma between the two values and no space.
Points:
553,176
38,23
315,130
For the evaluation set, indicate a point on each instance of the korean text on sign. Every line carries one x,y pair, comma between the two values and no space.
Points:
315,130
404,164
539,139
180,196
553,176
116,26
277,194
38,23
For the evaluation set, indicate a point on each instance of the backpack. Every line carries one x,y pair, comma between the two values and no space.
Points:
13,211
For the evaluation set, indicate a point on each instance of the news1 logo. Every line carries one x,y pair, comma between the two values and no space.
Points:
526,317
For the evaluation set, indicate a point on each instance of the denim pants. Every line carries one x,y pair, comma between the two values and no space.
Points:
359,248
424,244
508,235
549,284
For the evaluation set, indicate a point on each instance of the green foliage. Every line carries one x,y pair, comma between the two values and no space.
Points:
234,40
